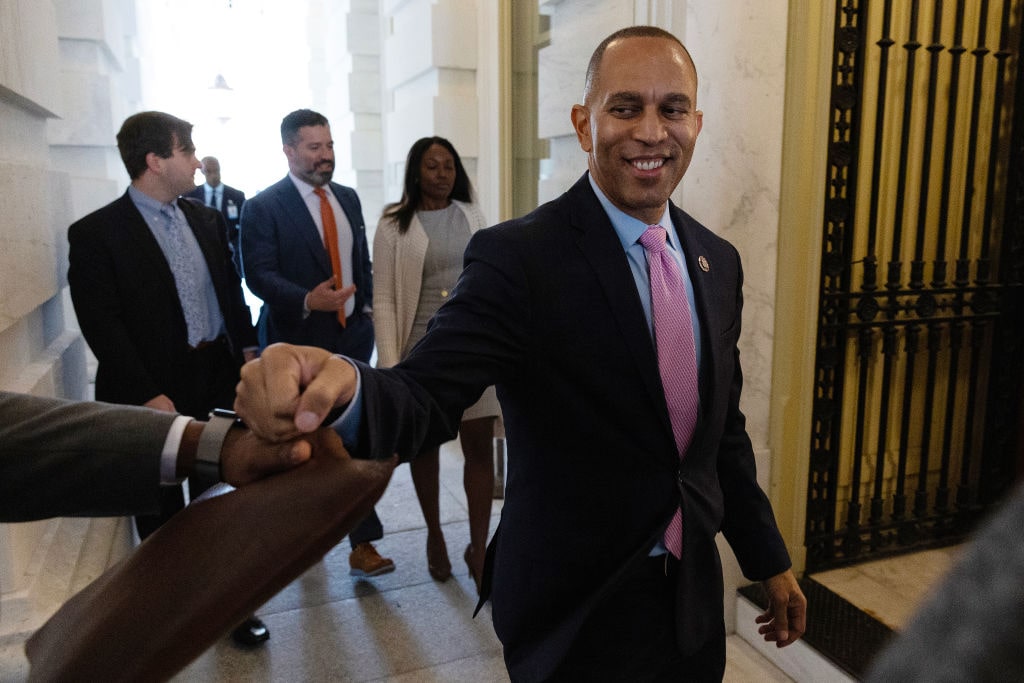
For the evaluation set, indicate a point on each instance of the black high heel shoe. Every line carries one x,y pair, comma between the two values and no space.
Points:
438,565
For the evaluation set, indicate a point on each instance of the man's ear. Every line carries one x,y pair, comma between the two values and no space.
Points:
154,162
581,124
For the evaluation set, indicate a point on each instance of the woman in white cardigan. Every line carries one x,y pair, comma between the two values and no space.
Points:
417,258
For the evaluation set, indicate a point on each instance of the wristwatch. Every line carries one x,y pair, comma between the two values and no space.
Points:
211,441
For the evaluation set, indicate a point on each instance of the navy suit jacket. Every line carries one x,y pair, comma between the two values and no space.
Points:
127,303
547,310
283,258
228,194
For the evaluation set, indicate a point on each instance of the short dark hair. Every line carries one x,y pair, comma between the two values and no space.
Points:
300,118
629,32
404,209
151,131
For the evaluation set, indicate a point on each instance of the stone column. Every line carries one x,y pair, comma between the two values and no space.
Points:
430,74
65,85
344,42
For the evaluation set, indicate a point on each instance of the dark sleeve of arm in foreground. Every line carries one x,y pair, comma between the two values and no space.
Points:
64,458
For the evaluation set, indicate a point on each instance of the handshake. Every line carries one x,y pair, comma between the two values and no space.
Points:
283,398
215,562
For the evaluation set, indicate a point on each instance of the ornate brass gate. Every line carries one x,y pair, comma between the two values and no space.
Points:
920,349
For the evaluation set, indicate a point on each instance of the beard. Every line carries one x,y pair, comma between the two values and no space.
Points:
320,175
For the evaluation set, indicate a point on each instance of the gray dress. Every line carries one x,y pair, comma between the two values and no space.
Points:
448,234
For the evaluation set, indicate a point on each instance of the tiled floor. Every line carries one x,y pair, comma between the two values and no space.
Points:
890,589
401,627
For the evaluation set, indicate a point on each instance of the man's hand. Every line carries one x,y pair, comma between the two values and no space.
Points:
161,402
324,297
289,390
785,620
245,458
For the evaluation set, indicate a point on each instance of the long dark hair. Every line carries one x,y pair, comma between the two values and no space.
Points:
404,209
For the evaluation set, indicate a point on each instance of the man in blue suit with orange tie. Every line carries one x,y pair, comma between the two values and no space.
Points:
304,253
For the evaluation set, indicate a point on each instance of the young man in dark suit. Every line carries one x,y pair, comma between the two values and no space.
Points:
218,195
304,253
156,295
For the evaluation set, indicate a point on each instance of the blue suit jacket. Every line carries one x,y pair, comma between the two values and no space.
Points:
283,258
547,310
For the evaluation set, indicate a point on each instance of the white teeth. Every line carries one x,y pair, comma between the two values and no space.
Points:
649,165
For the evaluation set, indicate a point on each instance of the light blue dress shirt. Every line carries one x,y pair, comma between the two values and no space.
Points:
209,323
629,230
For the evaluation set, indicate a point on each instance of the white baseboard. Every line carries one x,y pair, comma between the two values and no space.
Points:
799,661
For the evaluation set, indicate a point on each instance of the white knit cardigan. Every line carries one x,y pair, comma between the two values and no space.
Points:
397,278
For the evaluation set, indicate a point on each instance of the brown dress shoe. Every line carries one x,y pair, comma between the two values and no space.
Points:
364,560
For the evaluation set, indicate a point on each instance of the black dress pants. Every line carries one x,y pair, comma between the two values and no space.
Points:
207,380
631,636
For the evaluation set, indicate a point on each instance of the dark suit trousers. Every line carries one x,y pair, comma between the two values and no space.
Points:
209,376
631,635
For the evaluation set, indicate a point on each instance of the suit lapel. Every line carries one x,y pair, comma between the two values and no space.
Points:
144,248
703,285
597,240
297,213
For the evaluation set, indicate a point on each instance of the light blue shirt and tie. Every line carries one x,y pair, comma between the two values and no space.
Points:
188,265
629,230
213,195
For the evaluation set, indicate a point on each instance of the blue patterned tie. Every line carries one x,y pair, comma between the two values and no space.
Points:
677,357
186,278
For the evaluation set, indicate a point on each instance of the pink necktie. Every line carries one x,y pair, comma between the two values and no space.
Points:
677,357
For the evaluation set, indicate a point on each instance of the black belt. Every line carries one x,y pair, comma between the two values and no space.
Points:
204,345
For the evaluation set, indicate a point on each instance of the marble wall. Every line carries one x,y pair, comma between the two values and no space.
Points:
65,81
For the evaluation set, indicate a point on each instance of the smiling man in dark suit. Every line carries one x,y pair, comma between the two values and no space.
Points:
156,294
304,253
589,573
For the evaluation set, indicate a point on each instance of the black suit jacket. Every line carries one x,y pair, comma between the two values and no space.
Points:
229,196
547,310
127,303
283,258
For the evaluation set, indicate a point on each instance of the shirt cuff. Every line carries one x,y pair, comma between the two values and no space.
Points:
169,454
348,423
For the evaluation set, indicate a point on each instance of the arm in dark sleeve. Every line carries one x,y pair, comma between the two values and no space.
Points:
749,524
477,339
63,458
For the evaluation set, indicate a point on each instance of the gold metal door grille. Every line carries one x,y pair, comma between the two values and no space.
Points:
919,366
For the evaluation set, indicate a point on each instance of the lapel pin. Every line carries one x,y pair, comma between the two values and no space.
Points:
703,263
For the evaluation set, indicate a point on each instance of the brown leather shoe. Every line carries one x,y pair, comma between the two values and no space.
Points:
364,560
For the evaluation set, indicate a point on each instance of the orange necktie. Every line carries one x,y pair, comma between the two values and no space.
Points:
331,242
